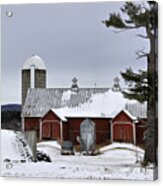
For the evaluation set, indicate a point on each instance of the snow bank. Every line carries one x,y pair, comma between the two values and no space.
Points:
123,153
117,161
126,146
80,168
13,146
52,143
52,148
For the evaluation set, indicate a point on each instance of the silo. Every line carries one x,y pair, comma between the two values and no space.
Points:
33,75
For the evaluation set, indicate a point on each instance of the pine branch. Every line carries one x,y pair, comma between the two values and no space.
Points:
114,20
135,96
130,76
141,54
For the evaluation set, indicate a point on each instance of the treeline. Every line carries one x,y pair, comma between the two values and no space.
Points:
11,117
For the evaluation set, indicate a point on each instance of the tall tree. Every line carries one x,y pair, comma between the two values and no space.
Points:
142,85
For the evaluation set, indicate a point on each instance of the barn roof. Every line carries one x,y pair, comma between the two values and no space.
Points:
59,114
127,113
87,102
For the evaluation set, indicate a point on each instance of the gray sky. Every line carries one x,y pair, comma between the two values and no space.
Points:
72,42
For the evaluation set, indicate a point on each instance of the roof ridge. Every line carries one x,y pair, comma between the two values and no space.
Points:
70,88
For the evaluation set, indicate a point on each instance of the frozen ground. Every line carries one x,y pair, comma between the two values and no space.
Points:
116,161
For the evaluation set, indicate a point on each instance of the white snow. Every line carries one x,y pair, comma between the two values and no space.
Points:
129,114
52,148
52,143
122,151
66,95
11,147
116,161
121,146
35,61
59,114
102,105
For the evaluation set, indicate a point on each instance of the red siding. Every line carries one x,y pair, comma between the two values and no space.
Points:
32,124
140,129
102,129
51,126
51,130
46,130
122,116
123,128
123,133
50,116
74,128
65,131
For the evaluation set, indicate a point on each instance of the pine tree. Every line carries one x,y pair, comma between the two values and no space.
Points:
142,86
137,85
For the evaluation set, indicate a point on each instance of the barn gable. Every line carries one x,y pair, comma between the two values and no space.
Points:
124,116
50,126
123,127
54,113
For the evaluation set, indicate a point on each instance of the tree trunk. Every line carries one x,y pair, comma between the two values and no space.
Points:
151,139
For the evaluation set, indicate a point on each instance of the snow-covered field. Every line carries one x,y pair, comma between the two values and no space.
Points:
116,161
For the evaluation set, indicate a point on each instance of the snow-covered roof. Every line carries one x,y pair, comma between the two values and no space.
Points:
87,102
137,109
59,114
35,61
128,113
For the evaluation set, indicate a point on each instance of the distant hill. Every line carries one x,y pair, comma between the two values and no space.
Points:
11,107
11,116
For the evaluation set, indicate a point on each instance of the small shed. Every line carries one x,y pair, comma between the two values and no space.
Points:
52,125
123,127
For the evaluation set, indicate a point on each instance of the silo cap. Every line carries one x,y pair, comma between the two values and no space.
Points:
35,61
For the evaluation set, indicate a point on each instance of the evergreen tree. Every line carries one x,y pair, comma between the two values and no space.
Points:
142,86
137,85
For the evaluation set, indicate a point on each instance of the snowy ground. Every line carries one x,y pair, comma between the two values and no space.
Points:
116,161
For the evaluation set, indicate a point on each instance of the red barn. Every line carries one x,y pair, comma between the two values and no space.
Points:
50,126
56,114
124,127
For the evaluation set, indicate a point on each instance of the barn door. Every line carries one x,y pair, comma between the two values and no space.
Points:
129,133
123,133
51,130
55,130
46,130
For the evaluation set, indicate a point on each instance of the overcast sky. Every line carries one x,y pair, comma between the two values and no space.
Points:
72,42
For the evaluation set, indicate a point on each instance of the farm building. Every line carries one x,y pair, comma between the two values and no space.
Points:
57,113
